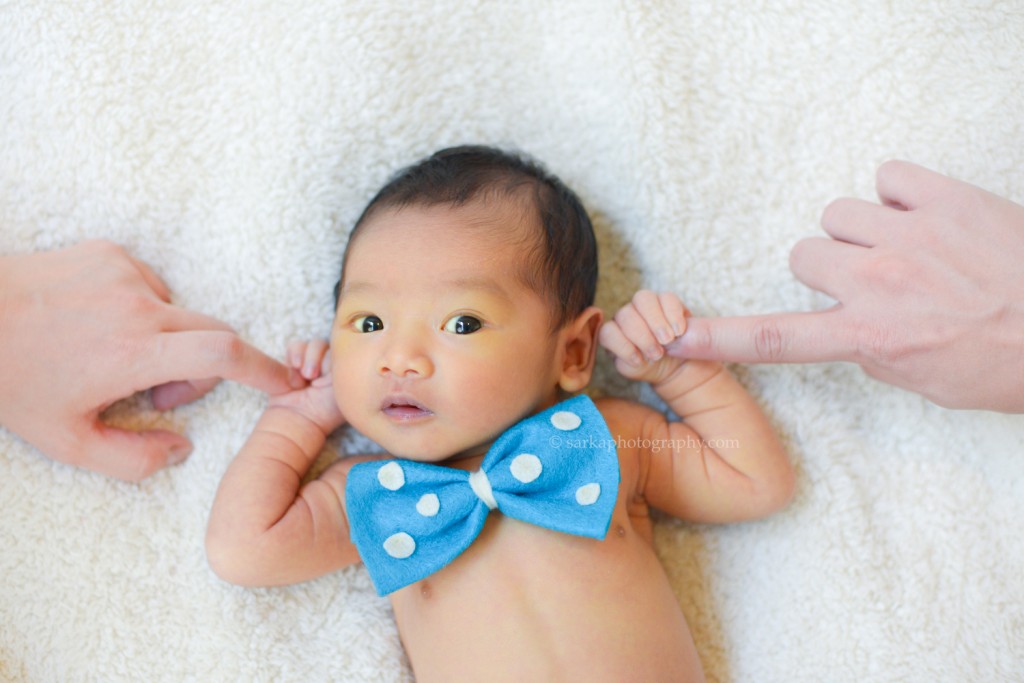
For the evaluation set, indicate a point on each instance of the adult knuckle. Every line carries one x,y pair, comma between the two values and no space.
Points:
137,304
889,272
878,345
769,341
227,348
874,344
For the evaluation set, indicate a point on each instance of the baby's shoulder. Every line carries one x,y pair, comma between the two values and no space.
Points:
625,418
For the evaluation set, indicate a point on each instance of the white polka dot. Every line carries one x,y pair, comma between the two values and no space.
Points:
391,476
565,420
526,467
428,504
588,494
400,545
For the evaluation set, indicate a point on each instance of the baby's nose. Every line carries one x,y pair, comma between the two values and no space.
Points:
405,359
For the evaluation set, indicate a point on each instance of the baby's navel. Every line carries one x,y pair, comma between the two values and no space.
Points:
620,531
425,590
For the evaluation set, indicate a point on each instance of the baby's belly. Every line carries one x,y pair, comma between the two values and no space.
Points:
524,603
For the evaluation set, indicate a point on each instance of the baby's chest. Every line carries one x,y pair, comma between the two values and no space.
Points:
518,584
511,557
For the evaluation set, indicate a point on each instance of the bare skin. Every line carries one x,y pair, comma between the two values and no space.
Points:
928,287
95,301
522,603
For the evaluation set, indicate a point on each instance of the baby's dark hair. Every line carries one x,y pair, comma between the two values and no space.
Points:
562,264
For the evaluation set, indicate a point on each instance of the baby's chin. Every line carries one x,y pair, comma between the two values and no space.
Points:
430,452
435,455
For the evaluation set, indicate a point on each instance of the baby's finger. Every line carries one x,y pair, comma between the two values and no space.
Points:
612,338
648,305
325,372
296,351
315,351
675,312
639,332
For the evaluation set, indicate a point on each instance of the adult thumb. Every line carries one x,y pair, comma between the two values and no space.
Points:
129,455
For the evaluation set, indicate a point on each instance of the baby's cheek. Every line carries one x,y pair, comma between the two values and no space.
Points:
345,384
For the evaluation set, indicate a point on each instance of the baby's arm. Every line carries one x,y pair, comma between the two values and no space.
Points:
724,462
266,528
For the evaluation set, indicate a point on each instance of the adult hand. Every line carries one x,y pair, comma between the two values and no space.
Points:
930,292
83,327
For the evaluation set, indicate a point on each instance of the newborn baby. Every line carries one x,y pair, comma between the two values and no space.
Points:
509,523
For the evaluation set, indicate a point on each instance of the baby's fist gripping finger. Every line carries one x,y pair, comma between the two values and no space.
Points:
307,357
640,329
316,401
629,361
652,320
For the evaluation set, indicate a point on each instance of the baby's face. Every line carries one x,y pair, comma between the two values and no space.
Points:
437,347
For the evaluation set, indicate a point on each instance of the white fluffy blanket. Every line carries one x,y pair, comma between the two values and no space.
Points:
232,144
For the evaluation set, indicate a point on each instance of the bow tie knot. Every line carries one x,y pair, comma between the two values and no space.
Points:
481,486
409,519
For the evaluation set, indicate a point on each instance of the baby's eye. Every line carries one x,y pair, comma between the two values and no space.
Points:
462,324
367,323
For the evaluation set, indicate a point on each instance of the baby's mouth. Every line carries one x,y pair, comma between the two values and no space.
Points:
404,408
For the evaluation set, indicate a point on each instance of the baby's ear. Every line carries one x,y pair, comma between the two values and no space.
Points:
578,342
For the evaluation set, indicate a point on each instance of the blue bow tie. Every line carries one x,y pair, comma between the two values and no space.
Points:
557,469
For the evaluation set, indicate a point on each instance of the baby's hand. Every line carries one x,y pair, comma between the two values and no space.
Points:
638,333
316,402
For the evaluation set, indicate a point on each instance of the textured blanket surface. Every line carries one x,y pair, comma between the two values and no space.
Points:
231,145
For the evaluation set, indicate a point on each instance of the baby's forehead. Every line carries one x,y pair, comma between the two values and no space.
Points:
480,225
430,248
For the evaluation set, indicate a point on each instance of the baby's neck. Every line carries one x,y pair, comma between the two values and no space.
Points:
468,462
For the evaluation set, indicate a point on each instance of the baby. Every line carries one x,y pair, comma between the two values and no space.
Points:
464,321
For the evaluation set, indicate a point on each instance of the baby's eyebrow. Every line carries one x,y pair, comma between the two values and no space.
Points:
485,284
356,288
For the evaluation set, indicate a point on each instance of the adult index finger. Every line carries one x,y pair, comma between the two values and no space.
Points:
811,337
200,354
